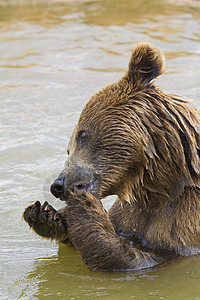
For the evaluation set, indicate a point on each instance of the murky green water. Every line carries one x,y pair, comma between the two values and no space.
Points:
53,56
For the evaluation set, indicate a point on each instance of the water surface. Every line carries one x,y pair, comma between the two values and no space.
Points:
53,56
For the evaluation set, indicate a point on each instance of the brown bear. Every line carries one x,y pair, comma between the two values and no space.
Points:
137,142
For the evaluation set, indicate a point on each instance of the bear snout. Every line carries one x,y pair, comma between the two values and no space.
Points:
75,178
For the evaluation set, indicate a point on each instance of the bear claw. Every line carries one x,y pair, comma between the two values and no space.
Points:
45,220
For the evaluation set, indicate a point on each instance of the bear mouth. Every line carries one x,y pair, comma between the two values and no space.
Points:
85,187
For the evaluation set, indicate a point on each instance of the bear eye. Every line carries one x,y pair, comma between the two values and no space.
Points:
82,136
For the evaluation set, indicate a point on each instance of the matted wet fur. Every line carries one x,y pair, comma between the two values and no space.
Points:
137,142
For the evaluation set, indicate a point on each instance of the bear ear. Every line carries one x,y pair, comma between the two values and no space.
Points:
146,63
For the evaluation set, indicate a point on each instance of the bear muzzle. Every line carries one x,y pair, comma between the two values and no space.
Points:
78,178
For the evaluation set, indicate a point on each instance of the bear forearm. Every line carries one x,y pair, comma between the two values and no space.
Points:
105,251
92,234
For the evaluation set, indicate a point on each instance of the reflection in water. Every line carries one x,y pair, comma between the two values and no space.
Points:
64,276
53,56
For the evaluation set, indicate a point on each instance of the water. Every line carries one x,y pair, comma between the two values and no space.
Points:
53,56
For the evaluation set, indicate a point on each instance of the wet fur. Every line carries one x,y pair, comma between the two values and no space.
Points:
144,145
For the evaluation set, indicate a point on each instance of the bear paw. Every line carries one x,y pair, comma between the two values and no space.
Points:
46,221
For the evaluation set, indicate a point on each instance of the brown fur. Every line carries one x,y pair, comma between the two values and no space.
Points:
142,144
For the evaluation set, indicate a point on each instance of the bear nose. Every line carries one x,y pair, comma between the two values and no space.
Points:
57,187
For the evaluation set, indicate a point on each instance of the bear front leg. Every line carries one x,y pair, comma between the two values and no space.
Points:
46,221
92,234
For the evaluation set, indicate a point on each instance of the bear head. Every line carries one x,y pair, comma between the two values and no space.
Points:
119,145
